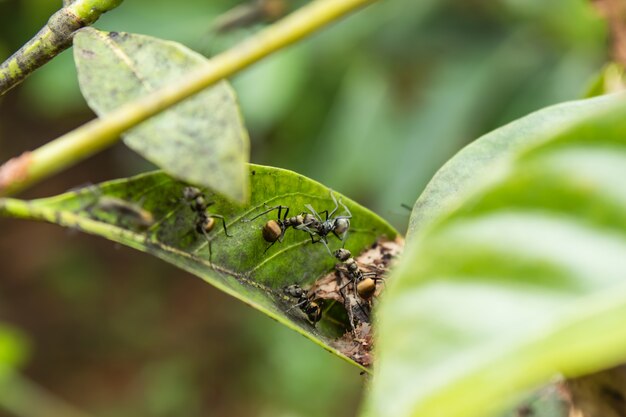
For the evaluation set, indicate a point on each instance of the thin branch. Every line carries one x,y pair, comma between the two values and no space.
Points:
52,39
98,134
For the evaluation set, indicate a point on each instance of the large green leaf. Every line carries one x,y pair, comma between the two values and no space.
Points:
238,265
482,159
515,271
201,140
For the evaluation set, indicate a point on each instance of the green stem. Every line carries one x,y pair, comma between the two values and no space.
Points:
52,39
101,133
12,207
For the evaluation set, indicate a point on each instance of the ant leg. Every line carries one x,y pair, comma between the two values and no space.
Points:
283,230
342,288
382,280
324,241
346,209
305,228
313,212
356,297
268,248
206,236
298,304
342,238
265,212
219,216
327,248
366,314
336,205
313,234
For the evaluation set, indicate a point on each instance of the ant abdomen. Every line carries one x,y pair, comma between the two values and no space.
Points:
272,231
205,224
366,288
313,311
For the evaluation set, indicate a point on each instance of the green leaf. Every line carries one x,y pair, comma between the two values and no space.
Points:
201,140
610,79
148,213
482,159
515,271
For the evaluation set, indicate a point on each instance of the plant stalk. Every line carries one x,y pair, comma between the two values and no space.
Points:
52,39
98,134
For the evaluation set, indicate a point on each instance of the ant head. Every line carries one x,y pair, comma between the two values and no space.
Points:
272,231
342,225
191,193
294,290
342,254
366,288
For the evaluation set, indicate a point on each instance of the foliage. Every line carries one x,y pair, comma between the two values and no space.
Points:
202,140
242,264
516,247
528,222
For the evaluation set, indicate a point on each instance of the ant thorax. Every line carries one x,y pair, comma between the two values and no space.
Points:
309,220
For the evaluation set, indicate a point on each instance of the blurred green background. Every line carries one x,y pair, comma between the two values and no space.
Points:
371,107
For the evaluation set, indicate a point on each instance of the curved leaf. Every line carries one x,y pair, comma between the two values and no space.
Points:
201,140
515,271
148,213
480,160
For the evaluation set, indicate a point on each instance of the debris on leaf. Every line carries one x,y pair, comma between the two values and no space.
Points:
357,344
344,286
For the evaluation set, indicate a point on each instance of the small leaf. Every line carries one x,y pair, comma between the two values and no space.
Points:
148,213
201,140
515,271
610,79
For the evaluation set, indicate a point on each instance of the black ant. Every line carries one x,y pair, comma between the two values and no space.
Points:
309,306
312,223
205,221
337,225
274,230
365,285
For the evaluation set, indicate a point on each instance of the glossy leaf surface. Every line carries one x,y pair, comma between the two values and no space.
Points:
515,269
149,213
